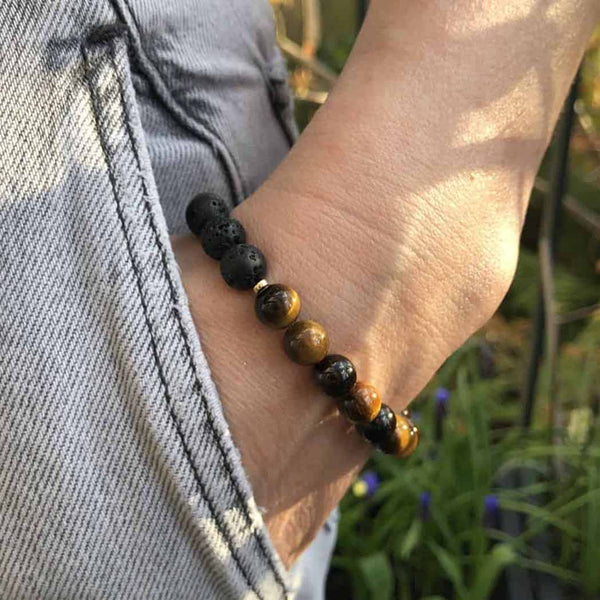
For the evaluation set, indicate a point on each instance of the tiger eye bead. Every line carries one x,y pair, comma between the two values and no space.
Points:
403,441
335,374
277,305
361,404
378,431
414,442
306,342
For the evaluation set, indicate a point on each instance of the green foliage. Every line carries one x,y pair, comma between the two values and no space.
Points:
376,573
389,551
572,291
335,52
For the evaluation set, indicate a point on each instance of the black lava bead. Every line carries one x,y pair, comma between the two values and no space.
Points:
204,208
335,374
379,430
221,234
243,266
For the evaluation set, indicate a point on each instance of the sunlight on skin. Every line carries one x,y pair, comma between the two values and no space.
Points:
499,118
527,98
478,19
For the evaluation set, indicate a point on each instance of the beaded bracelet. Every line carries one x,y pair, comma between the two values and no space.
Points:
306,342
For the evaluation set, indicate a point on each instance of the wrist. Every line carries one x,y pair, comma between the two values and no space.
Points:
398,287
298,452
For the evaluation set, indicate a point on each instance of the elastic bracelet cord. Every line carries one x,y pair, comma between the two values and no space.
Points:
306,342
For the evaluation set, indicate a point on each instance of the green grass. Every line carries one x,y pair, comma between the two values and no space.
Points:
386,549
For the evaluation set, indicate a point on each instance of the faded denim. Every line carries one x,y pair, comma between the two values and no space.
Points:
118,475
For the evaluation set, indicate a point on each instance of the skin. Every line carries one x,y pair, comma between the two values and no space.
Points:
397,218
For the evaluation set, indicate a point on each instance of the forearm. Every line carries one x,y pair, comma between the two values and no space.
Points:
396,217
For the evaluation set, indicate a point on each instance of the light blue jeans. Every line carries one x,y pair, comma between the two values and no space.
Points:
118,475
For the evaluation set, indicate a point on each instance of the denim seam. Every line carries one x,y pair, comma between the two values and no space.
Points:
184,337
286,128
176,421
196,126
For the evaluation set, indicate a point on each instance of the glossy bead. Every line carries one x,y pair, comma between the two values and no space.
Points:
277,305
204,208
306,342
361,404
414,442
218,235
403,441
335,374
381,427
243,266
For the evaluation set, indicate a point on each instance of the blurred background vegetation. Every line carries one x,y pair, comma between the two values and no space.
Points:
494,504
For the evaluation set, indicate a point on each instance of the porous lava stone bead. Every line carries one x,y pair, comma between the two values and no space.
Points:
220,234
335,374
277,305
403,441
361,404
243,266
306,342
381,427
204,208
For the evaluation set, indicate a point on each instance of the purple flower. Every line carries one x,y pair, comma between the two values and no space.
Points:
442,395
424,505
372,480
491,511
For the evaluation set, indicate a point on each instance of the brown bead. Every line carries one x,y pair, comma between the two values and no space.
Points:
361,404
404,440
277,305
306,342
414,442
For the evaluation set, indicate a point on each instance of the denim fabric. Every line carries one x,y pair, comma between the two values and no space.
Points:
118,476
213,97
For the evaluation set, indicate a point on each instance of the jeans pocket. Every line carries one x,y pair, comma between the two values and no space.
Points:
219,492
118,476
